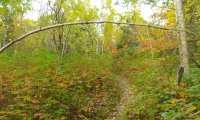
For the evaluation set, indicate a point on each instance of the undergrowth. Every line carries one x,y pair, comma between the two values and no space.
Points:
155,95
41,85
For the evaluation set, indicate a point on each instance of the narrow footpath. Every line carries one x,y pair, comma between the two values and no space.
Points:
115,115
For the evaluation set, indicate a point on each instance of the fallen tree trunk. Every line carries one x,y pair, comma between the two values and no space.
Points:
76,23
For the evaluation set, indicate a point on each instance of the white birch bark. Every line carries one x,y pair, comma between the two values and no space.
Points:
184,55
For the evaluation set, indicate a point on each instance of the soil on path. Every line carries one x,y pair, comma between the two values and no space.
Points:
123,82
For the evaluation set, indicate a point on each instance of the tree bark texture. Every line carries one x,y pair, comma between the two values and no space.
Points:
184,55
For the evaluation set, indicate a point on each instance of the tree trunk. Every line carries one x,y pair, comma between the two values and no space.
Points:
184,56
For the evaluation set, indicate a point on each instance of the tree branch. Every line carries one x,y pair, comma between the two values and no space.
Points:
78,23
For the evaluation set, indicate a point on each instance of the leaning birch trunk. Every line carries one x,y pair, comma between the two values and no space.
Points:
182,36
75,23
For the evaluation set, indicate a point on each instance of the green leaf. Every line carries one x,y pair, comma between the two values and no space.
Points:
16,82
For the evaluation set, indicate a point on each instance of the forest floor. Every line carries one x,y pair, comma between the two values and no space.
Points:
123,83
40,86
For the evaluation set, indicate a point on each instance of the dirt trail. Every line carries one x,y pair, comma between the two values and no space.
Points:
121,105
